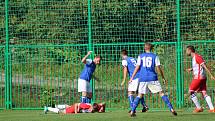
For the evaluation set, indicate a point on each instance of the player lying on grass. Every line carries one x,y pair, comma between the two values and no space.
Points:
129,64
84,80
198,83
77,108
148,79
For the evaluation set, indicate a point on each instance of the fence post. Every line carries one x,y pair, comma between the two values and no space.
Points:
7,77
179,80
90,44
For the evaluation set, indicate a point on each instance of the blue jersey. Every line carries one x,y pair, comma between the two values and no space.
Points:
130,63
89,68
148,63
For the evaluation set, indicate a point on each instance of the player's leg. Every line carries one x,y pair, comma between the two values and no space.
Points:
167,102
209,101
61,107
207,98
84,97
142,89
82,87
135,104
132,88
155,87
194,86
142,100
131,99
55,110
145,107
89,93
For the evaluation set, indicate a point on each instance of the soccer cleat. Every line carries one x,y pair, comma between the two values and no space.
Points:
212,111
132,114
145,109
174,113
130,111
198,110
45,109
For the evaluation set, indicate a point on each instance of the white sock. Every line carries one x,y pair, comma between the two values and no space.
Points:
195,100
60,106
209,102
55,110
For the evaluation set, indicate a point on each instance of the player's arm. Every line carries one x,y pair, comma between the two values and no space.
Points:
161,73
189,69
96,78
135,72
77,108
208,70
201,61
136,69
159,70
85,57
125,71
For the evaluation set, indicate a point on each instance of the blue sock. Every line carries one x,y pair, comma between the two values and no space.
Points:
131,100
83,99
142,101
135,104
88,100
166,100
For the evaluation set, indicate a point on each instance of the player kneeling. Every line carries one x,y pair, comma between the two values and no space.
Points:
77,108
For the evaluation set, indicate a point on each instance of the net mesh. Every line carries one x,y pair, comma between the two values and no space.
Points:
116,21
197,20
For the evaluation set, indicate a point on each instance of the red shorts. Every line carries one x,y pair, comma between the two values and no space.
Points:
70,109
198,85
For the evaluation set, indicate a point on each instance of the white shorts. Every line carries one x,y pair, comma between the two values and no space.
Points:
133,86
152,86
84,86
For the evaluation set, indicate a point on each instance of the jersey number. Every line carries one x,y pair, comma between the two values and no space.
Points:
147,61
134,62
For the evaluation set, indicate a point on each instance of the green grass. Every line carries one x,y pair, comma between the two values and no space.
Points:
18,115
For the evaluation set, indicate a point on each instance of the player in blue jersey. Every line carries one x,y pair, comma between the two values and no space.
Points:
147,63
129,64
84,80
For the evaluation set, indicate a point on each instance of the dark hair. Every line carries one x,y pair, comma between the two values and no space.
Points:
124,52
190,47
95,107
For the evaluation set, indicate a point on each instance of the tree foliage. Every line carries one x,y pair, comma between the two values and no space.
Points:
66,21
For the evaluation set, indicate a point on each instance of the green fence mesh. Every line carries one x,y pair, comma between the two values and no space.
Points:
42,43
115,21
197,20
48,22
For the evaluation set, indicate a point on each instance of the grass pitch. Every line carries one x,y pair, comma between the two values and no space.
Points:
19,115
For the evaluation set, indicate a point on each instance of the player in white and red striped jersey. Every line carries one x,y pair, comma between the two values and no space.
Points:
198,83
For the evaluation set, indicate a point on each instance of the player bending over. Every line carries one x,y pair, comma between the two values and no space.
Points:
76,108
198,83
129,65
148,78
84,80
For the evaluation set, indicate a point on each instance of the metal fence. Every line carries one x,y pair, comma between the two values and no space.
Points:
43,41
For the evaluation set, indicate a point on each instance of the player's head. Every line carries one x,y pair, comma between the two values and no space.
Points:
190,49
148,47
101,107
95,107
97,59
124,53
